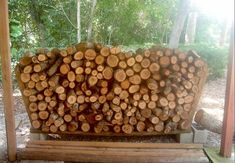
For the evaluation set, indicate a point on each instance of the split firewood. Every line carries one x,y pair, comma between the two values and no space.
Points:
93,88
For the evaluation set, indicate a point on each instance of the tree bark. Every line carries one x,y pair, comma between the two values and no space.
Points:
36,13
179,23
191,28
78,21
89,31
223,34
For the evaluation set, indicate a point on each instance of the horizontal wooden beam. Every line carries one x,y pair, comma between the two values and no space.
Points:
96,144
80,133
112,152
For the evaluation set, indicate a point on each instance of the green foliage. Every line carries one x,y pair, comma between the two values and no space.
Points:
129,22
216,57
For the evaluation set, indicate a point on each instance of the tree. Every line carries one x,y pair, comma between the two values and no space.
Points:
78,21
89,30
179,23
191,28
36,12
224,32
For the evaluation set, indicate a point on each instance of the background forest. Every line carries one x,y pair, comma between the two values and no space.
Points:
183,24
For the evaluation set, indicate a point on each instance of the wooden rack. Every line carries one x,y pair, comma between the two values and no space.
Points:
102,151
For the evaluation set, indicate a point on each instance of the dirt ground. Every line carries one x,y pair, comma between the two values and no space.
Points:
212,98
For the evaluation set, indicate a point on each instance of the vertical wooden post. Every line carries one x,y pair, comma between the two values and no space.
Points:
228,122
6,79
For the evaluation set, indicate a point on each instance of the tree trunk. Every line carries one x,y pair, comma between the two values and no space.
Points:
191,28
89,32
223,34
78,21
179,23
36,12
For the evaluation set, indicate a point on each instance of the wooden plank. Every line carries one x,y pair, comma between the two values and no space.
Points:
111,152
115,144
228,122
145,133
6,80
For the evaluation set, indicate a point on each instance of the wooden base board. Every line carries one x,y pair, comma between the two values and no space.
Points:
80,133
83,151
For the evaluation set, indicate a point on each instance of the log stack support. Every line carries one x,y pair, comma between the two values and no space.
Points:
95,89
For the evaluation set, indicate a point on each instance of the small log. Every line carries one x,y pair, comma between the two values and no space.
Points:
112,60
117,129
125,84
33,107
145,74
67,118
72,126
145,63
126,128
130,61
105,51
43,115
85,127
140,127
34,116
152,84
135,79
63,127
26,60
164,61
36,124
42,105
71,76
133,121
130,72
163,101
107,73
99,60
134,88
159,127
92,81
71,97
119,75
64,69
154,97
137,67
154,67
90,54
28,69
122,64
35,77
138,58
25,77
142,104
146,113
153,119
115,50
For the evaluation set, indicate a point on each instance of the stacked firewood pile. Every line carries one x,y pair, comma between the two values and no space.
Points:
94,88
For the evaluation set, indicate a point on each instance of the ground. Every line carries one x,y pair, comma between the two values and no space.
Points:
212,98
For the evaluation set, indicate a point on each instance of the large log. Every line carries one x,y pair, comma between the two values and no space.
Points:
209,120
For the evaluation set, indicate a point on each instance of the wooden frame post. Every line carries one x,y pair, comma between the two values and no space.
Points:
6,80
228,122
